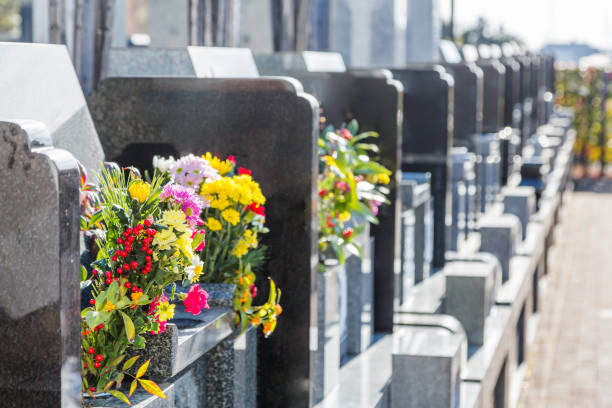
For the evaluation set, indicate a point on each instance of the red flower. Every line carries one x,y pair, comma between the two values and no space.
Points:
346,134
347,232
322,193
253,290
196,300
243,171
330,224
231,159
257,209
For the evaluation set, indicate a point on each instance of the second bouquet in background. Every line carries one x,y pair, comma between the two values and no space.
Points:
233,215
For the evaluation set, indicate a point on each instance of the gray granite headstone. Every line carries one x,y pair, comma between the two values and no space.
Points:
470,290
500,235
494,83
281,63
427,363
261,120
520,201
39,269
423,31
39,82
201,62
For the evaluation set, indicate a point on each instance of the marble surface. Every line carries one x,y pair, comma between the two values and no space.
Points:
33,77
261,119
39,284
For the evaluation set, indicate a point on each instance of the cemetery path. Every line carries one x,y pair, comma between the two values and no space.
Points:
570,361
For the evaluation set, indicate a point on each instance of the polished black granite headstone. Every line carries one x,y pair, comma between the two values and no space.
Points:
512,92
468,103
374,99
271,127
428,137
39,82
39,269
493,101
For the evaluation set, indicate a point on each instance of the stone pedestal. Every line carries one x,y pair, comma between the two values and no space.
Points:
470,293
426,367
500,235
520,201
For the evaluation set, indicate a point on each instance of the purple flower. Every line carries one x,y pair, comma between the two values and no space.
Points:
186,199
191,171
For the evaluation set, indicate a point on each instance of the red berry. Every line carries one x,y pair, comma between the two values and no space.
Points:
139,227
118,252
94,272
147,223
125,234
126,266
148,258
92,302
144,271
130,239
120,241
148,268
128,231
84,364
119,271
99,357
127,284
116,279
91,350
114,258
128,247
150,251
97,364
108,274
153,233
109,281
134,264
92,389
100,326
123,254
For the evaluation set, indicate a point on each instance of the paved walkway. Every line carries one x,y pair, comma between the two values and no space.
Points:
570,361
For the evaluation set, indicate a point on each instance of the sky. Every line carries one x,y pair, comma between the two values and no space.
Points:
539,22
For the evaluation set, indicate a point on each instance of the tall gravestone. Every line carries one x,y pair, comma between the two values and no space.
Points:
428,137
261,120
39,267
68,120
372,98
494,83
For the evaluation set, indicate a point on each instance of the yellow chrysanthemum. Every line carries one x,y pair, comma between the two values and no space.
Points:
183,244
231,216
109,306
240,249
213,224
164,239
344,216
135,296
222,166
175,219
250,238
139,190
165,311
220,203
383,178
329,160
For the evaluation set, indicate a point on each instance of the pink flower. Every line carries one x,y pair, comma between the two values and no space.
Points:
152,307
196,300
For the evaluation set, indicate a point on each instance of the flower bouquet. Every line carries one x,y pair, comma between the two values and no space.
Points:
351,189
233,216
148,241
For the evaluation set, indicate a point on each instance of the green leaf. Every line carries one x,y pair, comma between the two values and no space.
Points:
111,292
353,127
272,295
130,330
83,273
371,168
120,213
115,361
119,380
143,369
120,395
128,364
362,136
152,388
133,387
